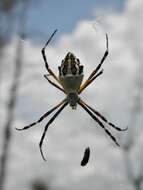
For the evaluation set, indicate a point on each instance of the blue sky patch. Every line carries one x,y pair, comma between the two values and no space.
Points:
45,17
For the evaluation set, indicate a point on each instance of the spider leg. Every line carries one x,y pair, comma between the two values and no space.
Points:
99,65
42,117
99,122
90,81
46,127
102,60
54,84
103,118
45,59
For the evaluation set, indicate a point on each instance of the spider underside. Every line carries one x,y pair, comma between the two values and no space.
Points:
70,83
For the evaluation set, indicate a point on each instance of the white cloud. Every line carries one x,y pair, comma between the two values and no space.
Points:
72,131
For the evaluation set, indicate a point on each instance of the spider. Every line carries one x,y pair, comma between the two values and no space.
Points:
70,83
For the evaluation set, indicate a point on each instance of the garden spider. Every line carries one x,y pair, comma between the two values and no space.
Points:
70,83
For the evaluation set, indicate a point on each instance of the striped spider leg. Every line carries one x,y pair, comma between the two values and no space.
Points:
95,73
54,84
62,105
45,59
96,115
47,125
70,80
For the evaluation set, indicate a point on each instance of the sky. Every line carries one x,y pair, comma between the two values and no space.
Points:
64,15
111,94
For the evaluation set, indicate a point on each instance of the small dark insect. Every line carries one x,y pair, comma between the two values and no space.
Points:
85,157
70,83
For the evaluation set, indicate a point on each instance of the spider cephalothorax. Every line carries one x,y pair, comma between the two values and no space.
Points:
70,83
